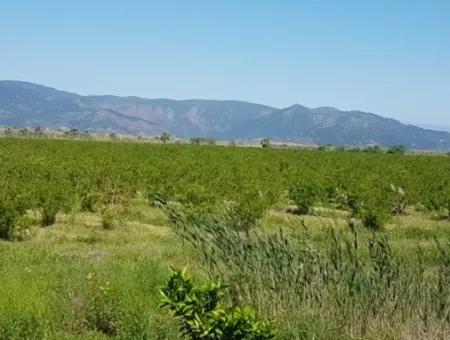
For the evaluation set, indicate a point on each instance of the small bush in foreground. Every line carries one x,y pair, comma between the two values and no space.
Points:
203,315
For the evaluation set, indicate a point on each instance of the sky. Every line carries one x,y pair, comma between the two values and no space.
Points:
390,57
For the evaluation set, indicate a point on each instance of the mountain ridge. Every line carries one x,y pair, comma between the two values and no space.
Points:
25,104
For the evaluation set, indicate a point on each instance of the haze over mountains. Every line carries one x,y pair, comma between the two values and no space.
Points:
30,105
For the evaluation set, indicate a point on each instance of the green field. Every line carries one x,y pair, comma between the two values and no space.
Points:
323,244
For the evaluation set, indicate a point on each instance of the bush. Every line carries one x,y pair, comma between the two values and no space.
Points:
8,217
374,218
51,202
244,215
396,150
303,197
49,209
203,314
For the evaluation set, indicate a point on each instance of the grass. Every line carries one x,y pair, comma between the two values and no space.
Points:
45,288
77,280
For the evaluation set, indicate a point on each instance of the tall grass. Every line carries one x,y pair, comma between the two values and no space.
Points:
352,282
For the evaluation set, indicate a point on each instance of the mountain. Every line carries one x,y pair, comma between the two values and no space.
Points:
435,127
29,105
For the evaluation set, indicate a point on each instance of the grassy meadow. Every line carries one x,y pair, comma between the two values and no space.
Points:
323,244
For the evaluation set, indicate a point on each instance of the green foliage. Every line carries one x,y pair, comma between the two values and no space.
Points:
354,276
312,284
111,173
23,326
8,218
50,206
374,218
304,197
396,150
203,314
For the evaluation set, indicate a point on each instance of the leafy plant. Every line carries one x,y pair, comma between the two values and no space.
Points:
374,218
51,201
203,314
303,197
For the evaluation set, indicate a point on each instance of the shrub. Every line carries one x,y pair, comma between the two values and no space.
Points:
374,218
203,314
8,217
303,197
396,150
50,202
244,215
49,209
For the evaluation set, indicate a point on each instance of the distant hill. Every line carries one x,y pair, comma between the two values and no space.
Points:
30,105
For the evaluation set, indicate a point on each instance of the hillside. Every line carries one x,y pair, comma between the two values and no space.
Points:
29,105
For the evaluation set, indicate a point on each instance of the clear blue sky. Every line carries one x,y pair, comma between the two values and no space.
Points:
389,57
